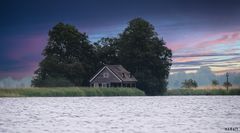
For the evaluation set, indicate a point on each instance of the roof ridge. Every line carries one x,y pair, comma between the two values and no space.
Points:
113,65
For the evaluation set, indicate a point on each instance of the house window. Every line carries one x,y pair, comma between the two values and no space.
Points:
123,75
95,85
130,75
104,85
105,75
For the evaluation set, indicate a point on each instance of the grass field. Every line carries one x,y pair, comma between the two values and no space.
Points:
232,91
70,92
86,91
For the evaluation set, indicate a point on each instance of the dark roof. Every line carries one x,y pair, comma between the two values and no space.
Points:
121,73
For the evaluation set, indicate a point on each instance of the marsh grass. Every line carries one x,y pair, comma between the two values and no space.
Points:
217,87
233,91
70,92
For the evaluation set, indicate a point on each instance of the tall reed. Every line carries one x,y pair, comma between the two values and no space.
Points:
70,92
235,91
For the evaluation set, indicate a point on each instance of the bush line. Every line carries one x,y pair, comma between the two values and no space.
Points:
69,92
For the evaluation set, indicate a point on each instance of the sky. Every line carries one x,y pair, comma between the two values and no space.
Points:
199,32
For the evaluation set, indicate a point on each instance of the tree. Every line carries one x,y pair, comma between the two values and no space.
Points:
145,56
189,84
107,51
68,55
215,82
52,82
227,84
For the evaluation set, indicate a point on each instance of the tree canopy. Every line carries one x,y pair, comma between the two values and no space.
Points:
145,55
70,57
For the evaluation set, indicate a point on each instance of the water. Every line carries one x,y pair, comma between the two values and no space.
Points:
208,114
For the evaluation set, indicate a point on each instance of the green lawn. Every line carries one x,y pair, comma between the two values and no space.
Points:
69,92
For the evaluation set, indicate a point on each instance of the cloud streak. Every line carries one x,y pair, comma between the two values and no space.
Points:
219,51
225,39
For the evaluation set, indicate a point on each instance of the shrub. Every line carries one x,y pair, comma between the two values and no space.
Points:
227,84
215,82
189,84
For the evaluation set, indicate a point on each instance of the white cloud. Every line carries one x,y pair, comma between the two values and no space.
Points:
11,83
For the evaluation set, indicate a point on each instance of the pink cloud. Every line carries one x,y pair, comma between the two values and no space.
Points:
194,45
185,59
27,46
203,46
225,38
25,52
175,46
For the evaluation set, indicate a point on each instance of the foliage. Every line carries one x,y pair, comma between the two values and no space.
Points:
227,84
203,92
70,91
53,82
189,84
215,82
68,55
107,51
145,56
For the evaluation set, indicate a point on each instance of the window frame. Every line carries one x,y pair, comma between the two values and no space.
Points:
105,75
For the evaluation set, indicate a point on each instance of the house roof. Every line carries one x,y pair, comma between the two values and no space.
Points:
119,72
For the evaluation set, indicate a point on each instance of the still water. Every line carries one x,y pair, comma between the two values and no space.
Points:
173,114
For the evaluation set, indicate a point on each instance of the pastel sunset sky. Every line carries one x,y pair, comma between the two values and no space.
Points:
199,32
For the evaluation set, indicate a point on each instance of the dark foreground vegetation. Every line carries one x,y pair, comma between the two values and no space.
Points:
203,92
70,92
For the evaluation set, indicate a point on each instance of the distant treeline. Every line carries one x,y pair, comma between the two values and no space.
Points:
204,77
70,59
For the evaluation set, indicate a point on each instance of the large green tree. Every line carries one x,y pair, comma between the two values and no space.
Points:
68,57
107,51
145,55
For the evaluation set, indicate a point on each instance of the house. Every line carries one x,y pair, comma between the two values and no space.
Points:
113,76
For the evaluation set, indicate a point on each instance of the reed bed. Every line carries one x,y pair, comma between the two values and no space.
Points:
232,91
69,92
